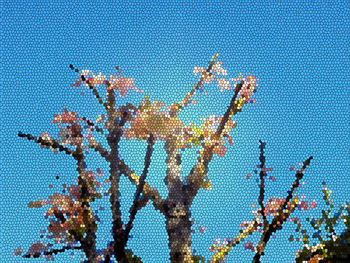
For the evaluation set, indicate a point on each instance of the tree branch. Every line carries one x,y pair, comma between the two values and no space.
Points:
198,172
51,252
179,106
134,207
53,143
281,216
232,110
59,215
102,151
148,192
152,194
113,138
88,242
235,241
116,120
91,86
173,171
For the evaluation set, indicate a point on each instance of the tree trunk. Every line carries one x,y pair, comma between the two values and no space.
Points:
178,226
176,210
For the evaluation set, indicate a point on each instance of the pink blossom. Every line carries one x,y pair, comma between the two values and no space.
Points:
123,85
249,246
217,68
18,251
274,205
220,150
313,204
197,70
65,117
303,205
246,91
74,191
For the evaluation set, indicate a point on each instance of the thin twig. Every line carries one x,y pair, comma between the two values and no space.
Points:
91,86
51,252
98,129
262,181
232,110
251,228
52,143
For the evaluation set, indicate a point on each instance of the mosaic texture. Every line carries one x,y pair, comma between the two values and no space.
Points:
170,131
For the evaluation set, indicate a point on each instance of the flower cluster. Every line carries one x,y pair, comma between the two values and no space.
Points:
66,117
206,76
86,76
274,205
247,90
205,135
122,85
67,216
116,82
67,220
220,249
72,134
153,118
217,68
249,82
249,246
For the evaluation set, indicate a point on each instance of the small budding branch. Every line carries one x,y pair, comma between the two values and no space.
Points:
279,209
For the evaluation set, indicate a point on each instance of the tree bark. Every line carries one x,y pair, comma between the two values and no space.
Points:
178,226
88,243
176,210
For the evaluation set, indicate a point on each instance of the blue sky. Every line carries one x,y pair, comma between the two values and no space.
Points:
298,49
